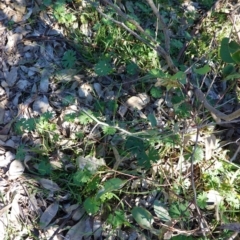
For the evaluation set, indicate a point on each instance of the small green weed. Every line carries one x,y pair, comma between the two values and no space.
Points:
69,59
158,155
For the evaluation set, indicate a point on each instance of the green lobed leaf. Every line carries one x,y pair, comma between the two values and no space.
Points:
156,92
84,118
23,125
91,205
177,210
134,145
156,73
69,59
132,68
117,219
103,68
21,153
108,130
179,76
44,168
202,200
198,155
82,177
70,117
182,110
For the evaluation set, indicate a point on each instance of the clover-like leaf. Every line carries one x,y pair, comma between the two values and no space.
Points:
69,59
91,205
103,68
108,130
132,68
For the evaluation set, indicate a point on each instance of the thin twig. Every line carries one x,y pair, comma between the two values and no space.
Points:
162,25
107,125
233,20
202,221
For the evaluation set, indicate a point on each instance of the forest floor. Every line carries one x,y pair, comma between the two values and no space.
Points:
104,129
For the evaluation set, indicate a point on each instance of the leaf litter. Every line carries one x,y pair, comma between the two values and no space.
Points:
32,76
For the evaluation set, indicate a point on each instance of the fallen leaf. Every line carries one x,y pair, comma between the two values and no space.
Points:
12,41
41,105
77,232
231,226
138,102
11,76
48,215
16,169
49,185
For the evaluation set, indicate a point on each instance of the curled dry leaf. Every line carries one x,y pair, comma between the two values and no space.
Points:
210,145
68,209
231,226
23,84
78,231
78,214
122,110
49,185
138,102
84,91
97,228
12,41
86,30
213,199
97,87
6,158
16,169
16,211
48,215
91,163
11,76
44,82
41,105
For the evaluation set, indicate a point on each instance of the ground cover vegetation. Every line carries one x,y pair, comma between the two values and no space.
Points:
119,119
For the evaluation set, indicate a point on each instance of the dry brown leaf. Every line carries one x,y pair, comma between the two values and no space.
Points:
41,105
49,185
12,41
77,232
16,169
210,145
48,215
11,76
5,209
44,82
231,226
138,102
78,214
6,158
16,211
